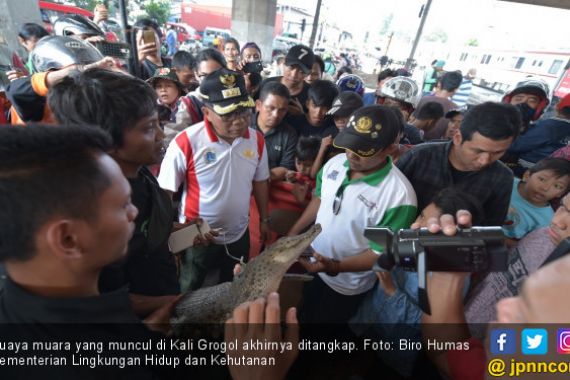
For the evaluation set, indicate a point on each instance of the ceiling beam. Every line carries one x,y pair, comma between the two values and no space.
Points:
563,4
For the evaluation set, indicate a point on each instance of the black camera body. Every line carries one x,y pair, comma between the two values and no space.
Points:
475,249
253,67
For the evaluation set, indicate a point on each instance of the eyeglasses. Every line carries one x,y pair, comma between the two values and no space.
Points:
338,199
243,113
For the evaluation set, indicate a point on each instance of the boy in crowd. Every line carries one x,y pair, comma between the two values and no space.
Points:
530,206
446,87
343,106
426,118
126,108
454,119
289,198
184,66
168,89
319,102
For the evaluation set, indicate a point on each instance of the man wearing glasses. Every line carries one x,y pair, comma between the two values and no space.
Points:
219,162
354,190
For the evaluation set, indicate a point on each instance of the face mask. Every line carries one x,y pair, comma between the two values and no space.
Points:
527,113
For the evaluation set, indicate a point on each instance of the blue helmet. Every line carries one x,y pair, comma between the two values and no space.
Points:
351,82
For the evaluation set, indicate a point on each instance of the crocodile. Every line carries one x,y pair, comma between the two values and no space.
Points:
258,278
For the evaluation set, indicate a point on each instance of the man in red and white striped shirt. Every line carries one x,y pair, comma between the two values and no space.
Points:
219,162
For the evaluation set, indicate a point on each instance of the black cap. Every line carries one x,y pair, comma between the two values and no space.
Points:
369,130
224,91
345,104
301,55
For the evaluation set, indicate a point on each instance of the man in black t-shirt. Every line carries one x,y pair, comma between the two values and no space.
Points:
469,162
298,64
126,108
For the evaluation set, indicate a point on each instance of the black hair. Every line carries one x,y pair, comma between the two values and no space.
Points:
451,81
112,100
401,121
32,30
387,73
307,148
274,88
47,171
321,63
343,70
451,199
182,59
560,166
496,121
211,54
430,111
322,93
146,23
232,40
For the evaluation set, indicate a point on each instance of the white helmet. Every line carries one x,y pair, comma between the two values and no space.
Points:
403,89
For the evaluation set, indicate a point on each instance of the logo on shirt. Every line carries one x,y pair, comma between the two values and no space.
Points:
513,219
367,203
332,175
248,153
210,157
277,148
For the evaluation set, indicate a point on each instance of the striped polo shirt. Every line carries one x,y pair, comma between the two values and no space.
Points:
216,176
384,198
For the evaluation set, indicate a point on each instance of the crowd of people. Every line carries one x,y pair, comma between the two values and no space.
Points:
211,140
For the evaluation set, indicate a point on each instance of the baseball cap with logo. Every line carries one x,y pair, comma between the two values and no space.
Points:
300,55
224,91
345,104
369,130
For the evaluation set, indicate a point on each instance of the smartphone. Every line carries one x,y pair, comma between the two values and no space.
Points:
253,67
184,238
148,36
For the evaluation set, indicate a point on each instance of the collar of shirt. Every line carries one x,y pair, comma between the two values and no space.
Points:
372,179
23,306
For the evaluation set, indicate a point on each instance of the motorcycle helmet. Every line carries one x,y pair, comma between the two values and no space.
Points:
351,82
69,25
403,89
533,86
55,52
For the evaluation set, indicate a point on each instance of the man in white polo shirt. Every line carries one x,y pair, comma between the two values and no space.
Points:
219,162
354,190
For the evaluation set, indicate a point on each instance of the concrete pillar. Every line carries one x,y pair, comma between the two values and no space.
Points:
254,20
12,15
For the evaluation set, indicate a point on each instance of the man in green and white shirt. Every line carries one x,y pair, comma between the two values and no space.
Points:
354,190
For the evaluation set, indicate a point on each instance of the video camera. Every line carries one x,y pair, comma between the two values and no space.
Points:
475,249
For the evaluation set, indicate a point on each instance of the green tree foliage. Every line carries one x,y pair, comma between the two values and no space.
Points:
158,10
